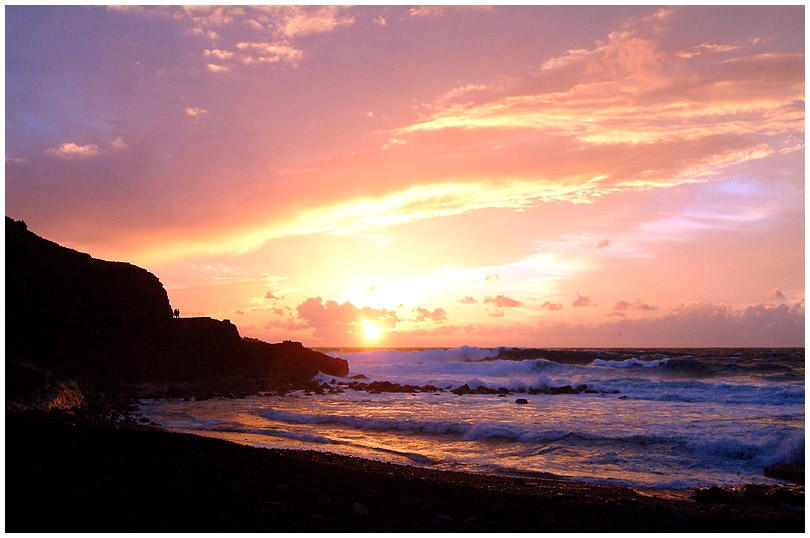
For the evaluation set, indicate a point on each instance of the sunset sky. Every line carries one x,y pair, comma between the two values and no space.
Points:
427,176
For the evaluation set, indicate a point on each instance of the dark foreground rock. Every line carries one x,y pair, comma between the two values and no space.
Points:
757,494
62,478
74,318
793,473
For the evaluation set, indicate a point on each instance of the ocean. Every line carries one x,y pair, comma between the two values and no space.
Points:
666,418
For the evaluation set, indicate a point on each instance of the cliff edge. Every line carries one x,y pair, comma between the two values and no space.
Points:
76,316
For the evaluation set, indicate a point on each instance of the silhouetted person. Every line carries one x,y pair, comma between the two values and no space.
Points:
176,312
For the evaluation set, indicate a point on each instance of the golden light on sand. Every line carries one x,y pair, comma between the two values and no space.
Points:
371,331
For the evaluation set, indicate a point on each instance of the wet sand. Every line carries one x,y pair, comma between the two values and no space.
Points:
63,477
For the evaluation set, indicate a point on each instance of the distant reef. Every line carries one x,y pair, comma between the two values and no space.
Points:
77,317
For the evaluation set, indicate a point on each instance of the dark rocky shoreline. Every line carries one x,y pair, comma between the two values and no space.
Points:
68,473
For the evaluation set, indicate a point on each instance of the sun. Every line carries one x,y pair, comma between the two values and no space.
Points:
372,332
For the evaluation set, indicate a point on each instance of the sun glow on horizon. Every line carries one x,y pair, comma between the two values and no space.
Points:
370,330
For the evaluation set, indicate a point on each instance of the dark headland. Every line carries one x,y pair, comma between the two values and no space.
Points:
85,337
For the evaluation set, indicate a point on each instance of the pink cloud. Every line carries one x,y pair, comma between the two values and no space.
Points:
437,315
502,301
332,320
118,144
691,324
288,325
583,300
777,294
637,305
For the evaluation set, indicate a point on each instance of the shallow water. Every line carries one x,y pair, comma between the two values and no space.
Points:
681,419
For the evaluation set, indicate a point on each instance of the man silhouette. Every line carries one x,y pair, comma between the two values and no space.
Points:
176,312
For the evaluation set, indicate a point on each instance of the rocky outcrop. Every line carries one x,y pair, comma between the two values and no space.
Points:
290,360
71,312
75,316
783,471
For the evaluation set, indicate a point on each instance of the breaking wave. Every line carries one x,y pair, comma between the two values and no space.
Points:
775,446
666,418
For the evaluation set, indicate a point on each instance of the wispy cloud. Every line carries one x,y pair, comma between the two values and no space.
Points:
629,92
442,11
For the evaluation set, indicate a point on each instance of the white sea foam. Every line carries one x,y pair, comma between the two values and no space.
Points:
674,422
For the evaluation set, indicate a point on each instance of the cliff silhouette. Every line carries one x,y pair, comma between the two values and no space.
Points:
79,317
